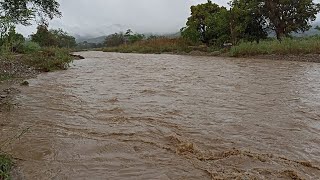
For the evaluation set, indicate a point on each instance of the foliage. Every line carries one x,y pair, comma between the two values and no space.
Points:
49,38
287,46
63,39
155,45
115,39
135,38
30,47
201,23
49,59
5,167
12,41
43,36
5,76
118,39
289,16
23,11
248,20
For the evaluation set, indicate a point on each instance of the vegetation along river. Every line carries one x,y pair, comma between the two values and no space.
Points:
132,116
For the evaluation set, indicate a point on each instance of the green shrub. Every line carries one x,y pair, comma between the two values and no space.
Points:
49,59
5,167
30,47
5,76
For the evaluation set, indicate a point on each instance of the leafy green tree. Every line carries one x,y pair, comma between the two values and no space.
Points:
53,37
198,24
247,21
44,37
23,11
190,33
219,27
12,41
287,16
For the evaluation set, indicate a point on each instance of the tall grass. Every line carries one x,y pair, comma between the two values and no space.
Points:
5,76
295,46
5,167
156,46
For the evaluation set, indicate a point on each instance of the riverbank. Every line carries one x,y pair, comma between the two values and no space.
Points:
14,70
295,49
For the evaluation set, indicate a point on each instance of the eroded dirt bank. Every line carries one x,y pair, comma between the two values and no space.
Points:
130,116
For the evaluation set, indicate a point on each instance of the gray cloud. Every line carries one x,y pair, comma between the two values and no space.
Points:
100,17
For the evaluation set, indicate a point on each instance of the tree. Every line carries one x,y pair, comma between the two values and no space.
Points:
199,20
208,23
23,11
135,38
63,39
247,21
287,16
43,36
53,37
12,41
115,39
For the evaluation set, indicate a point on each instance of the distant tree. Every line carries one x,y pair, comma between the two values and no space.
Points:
128,33
63,39
287,16
54,37
115,39
317,28
23,11
43,36
135,38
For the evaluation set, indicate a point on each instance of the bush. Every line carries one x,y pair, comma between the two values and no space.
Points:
49,59
5,166
30,47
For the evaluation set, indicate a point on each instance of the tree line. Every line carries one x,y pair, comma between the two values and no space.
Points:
250,20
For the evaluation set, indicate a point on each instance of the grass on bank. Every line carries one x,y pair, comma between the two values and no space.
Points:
288,46
294,46
5,167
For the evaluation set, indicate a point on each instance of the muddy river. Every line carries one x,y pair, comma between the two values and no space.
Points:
130,116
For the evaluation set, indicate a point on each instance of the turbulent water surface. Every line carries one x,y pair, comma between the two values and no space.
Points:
130,116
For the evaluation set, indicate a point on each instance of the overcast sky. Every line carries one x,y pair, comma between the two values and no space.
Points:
102,17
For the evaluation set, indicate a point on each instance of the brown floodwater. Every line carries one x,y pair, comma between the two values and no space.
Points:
131,116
